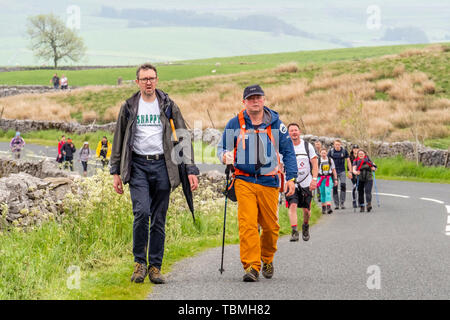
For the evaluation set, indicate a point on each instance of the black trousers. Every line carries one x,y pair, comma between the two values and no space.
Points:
150,191
68,163
364,188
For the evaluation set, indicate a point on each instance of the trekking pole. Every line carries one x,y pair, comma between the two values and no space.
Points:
376,190
355,193
227,172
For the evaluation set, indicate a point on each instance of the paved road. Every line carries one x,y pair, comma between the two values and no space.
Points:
405,240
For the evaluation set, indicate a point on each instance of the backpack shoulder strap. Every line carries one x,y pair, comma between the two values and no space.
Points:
306,148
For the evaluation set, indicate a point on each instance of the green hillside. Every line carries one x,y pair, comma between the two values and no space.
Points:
196,68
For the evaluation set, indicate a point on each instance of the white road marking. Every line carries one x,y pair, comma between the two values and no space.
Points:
393,195
388,194
447,229
433,200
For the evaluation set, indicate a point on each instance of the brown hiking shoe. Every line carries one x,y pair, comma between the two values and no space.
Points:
251,275
267,270
155,275
140,272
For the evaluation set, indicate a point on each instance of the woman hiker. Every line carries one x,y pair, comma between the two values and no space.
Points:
353,156
16,145
327,172
363,167
84,157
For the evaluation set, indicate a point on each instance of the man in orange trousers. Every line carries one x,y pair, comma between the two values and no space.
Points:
253,142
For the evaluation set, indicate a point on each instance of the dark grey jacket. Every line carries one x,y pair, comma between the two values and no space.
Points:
126,129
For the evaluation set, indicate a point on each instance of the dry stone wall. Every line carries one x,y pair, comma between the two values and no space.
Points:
32,192
428,156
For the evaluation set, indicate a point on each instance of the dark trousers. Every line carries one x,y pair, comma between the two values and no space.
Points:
104,162
150,191
84,164
354,191
364,188
340,198
68,163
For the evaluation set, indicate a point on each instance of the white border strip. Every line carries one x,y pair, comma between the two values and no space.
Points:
433,200
447,229
393,195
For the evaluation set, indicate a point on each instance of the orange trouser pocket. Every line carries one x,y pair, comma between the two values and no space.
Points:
257,204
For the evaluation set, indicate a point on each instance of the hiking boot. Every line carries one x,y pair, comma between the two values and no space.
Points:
155,275
369,207
267,270
362,209
336,208
139,273
329,211
342,206
294,236
305,232
324,209
251,275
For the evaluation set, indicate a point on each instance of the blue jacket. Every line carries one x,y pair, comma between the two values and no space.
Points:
246,159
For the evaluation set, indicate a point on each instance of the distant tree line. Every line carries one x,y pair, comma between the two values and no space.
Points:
155,18
139,18
408,34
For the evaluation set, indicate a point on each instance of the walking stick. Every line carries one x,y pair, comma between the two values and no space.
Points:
355,202
376,190
227,172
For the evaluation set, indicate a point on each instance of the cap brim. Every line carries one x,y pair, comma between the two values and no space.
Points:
253,94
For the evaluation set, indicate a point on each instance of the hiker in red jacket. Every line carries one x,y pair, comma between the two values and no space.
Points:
59,158
362,168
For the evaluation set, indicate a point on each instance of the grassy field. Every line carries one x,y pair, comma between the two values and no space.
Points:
371,93
96,237
196,68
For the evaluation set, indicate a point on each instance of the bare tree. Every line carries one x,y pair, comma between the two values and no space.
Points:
52,40
355,121
418,132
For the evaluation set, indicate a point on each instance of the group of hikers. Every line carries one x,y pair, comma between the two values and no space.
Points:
324,172
59,83
264,156
67,149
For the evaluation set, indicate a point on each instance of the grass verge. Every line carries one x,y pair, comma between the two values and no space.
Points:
398,168
51,137
94,237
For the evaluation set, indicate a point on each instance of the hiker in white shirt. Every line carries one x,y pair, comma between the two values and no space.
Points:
305,184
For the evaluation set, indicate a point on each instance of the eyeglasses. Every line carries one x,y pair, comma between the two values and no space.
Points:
145,80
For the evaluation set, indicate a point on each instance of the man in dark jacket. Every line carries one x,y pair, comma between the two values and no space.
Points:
142,156
67,150
340,157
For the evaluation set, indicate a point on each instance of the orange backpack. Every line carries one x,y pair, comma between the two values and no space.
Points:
268,130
